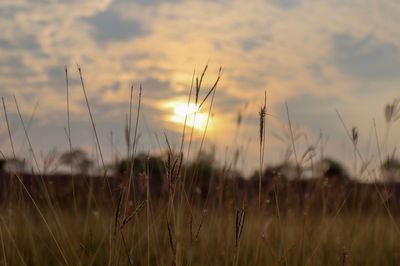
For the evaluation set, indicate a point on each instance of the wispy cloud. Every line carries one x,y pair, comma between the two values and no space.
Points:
366,58
107,26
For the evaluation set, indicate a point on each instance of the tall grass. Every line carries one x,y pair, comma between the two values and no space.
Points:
368,240
322,222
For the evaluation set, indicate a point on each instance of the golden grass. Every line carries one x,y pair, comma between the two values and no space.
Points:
307,239
326,224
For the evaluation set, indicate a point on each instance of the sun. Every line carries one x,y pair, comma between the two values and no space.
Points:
190,113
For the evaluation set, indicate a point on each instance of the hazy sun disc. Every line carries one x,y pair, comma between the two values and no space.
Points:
182,111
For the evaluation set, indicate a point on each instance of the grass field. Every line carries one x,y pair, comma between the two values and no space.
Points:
194,214
197,237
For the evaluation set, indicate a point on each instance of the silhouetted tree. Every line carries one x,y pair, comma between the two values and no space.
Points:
12,165
390,169
142,163
202,166
327,167
78,159
331,168
2,163
201,175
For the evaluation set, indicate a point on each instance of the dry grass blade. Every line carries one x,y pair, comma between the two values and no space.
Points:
378,146
129,124
69,137
28,127
200,225
130,216
202,75
212,88
172,172
92,120
173,167
96,137
262,122
207,121
44,185
240,219
136,125
126,250
349,135
291,134
198,84
135,137
370,174
186,115
196,99
354,135
16,248
3,249
170,237
344,256
167,141
308,154
43,219
8,128
128,129
331,224
392,111
262,115
117,212
26,135
194,116
68,110
191,227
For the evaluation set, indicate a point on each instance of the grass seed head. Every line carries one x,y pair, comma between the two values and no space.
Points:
392,111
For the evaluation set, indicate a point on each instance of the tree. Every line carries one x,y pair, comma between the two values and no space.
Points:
333,169
78,159
12,165
390,169
142,163
2,164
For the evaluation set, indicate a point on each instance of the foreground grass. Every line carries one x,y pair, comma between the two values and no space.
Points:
113,224
307,239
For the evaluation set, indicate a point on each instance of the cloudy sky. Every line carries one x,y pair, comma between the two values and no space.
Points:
316,56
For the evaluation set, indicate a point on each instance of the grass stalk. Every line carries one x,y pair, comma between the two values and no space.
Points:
262,125
8,128
70,138
291,135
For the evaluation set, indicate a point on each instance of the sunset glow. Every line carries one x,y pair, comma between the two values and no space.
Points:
182,112
315,56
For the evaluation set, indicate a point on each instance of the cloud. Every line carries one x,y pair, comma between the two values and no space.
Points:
108,26
316,113
20,42
315,55
227,103
366,58
149,2
253,42
157,89
13,66
285,4
9,11
5,44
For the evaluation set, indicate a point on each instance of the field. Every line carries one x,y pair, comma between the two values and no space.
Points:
324,229
167,210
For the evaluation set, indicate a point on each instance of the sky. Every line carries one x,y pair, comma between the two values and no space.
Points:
315,56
